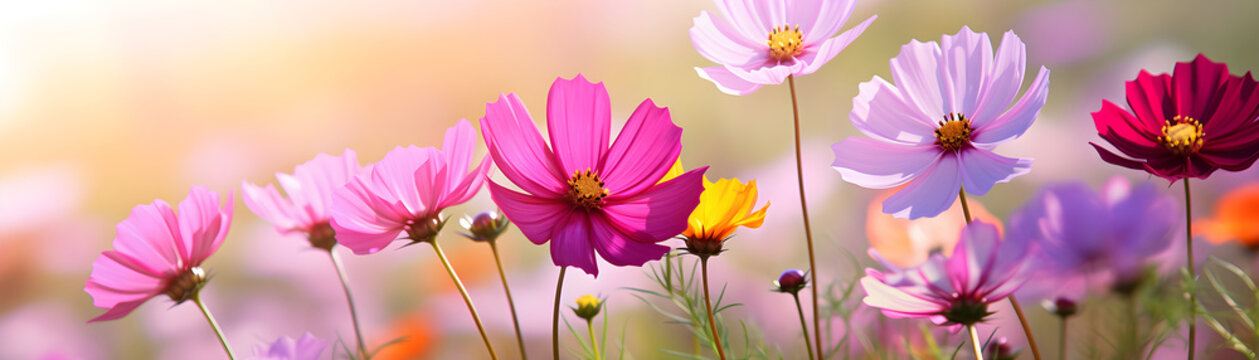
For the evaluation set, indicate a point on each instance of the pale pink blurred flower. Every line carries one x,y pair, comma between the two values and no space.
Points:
308,207
159,252
406,191
308,347
49,330
907,243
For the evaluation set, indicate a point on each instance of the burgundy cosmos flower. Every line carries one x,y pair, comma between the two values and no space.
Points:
1187,124
582,195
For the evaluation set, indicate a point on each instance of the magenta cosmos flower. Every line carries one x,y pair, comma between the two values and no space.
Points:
308,207
1188,124
1107,238
934,131
406,192
581,194
308,347
158,252
761,42
953,291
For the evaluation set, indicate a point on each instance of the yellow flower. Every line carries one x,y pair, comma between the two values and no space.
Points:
723,207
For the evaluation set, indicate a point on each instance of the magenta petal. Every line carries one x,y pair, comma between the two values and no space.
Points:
467,186
727,81
660,212
1013,123
832,47
1149,98
518,149
578,117
618,249
151,235
981,169
1110,157
718,42
874,164
1197,86
203,224
929,194
536,217
120,310
364,222
572,243
457,145
644,151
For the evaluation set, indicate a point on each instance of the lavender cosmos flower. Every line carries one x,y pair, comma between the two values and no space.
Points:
581,194
960,81
761,42
954,291
308,347
158,252
1108,237
406,192
308,207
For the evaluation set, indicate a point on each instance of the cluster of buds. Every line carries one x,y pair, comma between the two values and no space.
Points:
485,226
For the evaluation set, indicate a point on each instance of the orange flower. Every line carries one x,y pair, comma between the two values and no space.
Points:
1236,218
907,243
415,337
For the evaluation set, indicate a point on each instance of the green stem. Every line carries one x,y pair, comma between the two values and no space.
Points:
961,194
808,345
349,299
1018,310
708,305
1193,272
555,315
804,211
466,299
974,341
1062,339
590,327
511,304
196,298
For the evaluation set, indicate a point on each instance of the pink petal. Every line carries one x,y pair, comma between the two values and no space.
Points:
1002,84
751,18
518,149
430,184
726,81
719,43
619,249
819,19
770,73
119,310
643,152
457,145
661,211
916,73
114,282
468,186
537,217
572,245
900,304
578,117
1013,123
363,221
831,47
972,256
881,111
393,178
270,206
965,60
203,224
1149,97
151,235
929,194
875,164
981,169
1197,86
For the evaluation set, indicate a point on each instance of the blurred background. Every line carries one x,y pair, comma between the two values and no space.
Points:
107,105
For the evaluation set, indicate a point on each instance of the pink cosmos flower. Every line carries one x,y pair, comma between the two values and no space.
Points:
960,81
158,252
308,347
407,191
761,42
308,207
954,291
581,194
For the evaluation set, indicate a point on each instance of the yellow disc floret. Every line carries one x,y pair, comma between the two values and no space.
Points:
586,189
785,42
954,132
1182,135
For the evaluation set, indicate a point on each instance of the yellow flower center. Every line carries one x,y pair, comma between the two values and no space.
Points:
587,301
785,42
954,132
1182,135
586,190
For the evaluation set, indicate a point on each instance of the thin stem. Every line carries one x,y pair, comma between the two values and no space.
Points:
590,327
1133,332
1062,339
974,340
196,298
804,211
520,339
708,305
961,194
1193,296
808,345
466,299
1027,330
349,299
555,316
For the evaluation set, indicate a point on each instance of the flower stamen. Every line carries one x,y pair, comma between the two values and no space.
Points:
785,42
587,190
954,132
1182,135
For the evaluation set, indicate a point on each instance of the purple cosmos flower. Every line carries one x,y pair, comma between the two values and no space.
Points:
762,42
159,252
406,192
956,290
960,81
581,194
1108,237
308,347
308,207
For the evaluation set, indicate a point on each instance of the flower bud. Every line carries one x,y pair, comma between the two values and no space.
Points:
485,226
588,307
322,236
1001,349
425,229
791,281
1061,306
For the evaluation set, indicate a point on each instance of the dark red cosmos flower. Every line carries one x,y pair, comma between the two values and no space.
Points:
1187,124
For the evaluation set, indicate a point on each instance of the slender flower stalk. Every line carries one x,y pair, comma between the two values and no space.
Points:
196,298
349,299
1064,308
486,227
1193,296
511,304
1018,310
1062,339
804,210
974,341
588,308
708,305
803,325
590,328
555,315
466,299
